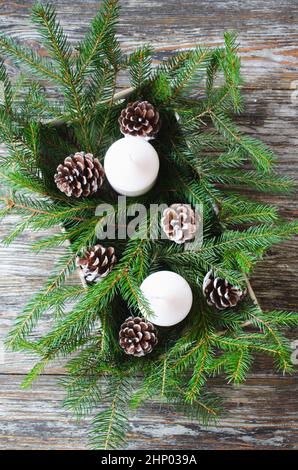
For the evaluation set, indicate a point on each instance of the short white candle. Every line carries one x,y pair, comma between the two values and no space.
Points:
131,165
169,296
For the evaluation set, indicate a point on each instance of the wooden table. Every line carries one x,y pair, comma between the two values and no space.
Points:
262,413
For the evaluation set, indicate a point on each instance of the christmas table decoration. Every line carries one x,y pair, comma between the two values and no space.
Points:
52,175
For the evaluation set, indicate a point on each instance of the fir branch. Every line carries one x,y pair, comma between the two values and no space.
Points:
205,409
82,384
281,343
18,149
193,69
93,48
230,63
281,318
237,364
148,388
189,355
273,183
212,69
34,373
133,296
8,239
202,166
99,89
238,210
262,157
45,18
251,239
199,377
256,344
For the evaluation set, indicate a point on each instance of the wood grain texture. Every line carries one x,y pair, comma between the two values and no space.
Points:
262,413
267,420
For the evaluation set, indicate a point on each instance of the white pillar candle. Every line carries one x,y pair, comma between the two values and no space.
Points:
169,296
131,165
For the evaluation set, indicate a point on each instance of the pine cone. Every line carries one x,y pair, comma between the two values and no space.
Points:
79,175
220,293
96,263
137,336
178,222
139,119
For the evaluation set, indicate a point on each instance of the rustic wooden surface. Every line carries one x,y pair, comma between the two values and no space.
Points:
262,414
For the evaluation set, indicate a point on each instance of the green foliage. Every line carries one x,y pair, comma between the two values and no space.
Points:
205,159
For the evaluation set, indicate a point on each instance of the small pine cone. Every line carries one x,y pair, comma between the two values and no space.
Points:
179,223
79,175
96,263
140,119
137,336
220,293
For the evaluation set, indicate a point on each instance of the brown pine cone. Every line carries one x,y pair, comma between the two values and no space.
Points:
137,336
139,119
96,263
179,223
79,175
220,293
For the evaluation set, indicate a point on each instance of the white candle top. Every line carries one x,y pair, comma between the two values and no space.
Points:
169,296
